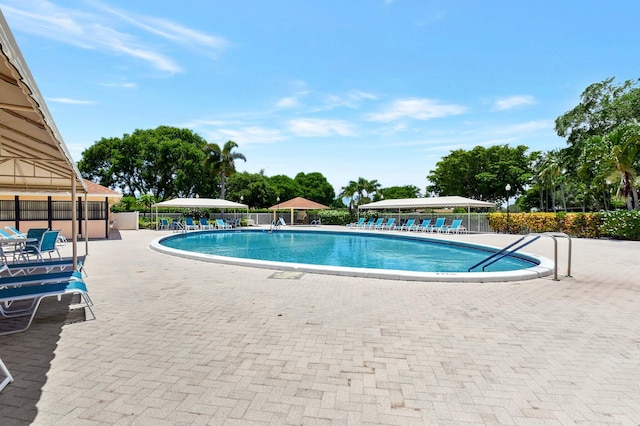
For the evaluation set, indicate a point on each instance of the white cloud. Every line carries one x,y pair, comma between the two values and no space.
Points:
352,99
417,109
245,135
97,31
70,101
121,85
513,102
314,127
288,102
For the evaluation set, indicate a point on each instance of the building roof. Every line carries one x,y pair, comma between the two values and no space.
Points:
33,157
427,202
298,203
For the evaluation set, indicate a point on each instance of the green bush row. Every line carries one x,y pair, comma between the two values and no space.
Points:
618,224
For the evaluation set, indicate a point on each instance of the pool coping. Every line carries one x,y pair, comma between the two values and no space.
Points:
543,269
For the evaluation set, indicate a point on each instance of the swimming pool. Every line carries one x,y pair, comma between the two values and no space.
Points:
388,255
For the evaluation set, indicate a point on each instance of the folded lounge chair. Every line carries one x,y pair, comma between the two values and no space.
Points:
35,293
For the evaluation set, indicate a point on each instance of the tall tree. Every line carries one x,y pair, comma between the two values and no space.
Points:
164,162
221,162
315,187
483,173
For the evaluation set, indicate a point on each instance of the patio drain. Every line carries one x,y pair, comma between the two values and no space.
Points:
286,275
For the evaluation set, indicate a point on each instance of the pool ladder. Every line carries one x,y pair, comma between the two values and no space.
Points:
522,242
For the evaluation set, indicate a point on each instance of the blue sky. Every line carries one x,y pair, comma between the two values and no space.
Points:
379,89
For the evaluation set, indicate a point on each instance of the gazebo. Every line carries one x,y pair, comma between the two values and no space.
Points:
428,203
297,203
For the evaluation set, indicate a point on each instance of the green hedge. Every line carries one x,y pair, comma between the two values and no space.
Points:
334,217
619,224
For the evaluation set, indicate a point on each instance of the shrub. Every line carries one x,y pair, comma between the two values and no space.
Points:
334,217
575,224
621,225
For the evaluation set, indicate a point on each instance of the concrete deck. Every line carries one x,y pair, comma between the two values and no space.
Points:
182,342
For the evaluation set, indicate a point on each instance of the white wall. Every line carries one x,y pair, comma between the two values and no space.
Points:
126,220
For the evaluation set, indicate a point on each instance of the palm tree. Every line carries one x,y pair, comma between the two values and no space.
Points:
624,151
222,161
350,192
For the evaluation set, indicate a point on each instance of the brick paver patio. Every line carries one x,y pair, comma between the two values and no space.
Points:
181,342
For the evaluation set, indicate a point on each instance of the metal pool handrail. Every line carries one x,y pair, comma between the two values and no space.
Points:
507,252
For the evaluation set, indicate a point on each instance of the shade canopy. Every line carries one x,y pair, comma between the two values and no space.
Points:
298,203
425,203
205,203
33,157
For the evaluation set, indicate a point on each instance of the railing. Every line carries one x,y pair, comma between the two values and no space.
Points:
515,246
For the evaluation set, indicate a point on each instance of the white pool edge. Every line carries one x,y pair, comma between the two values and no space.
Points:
545,267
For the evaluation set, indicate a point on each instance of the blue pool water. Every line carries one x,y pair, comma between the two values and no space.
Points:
359,250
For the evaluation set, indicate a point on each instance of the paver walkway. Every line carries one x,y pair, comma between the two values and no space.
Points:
180,342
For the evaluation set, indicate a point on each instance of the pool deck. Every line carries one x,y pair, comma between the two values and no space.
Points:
184,342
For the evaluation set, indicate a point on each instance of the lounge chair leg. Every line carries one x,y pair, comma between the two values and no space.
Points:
8,377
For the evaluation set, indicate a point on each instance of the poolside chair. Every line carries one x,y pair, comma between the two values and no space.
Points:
456,227
357,224
408,225
369,224
30,279
164,224
376,224
8,236
15,231
391,224
204,223
189,224
424,226
47,244
439,224
221,224
35,294
47,266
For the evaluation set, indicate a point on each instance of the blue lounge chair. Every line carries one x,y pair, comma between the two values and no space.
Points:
15,232
456,227
221,224
357,224
204,223
36,293
391,224
408,225
5,234
424,226
439,224
189,224
46,266
164,224
377,224
369,223
29,279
